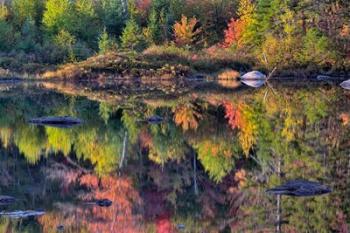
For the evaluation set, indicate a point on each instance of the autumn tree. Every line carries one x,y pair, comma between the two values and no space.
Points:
186,31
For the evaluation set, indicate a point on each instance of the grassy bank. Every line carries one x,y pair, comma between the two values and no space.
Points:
164,62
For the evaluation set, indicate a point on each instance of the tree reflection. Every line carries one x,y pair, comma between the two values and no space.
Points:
229,151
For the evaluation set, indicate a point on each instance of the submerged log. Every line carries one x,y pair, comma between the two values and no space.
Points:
22,214
60,122
300,188
6,200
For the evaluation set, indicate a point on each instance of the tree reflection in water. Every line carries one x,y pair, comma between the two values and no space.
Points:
204,169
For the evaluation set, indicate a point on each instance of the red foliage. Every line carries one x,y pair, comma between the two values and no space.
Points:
233,33
143,6
233,115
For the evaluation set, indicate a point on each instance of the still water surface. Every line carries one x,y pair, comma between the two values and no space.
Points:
204,168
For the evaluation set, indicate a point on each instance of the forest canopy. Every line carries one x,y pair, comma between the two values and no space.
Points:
274,33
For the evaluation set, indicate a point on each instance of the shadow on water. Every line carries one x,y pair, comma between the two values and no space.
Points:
178,157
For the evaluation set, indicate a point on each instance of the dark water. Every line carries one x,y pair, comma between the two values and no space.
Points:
205,168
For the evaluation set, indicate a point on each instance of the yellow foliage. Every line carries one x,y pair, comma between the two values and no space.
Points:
187,117
229,74
186,31
3,12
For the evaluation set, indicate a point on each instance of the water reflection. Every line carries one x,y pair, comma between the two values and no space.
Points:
204,168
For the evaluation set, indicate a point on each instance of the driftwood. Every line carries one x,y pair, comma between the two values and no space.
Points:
59,122
300,188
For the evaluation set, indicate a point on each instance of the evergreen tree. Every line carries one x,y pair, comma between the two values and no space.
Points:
105,43
112,15
132,37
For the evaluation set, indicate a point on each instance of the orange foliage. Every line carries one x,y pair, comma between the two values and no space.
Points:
345,118
186,31
233,33
119,217
240,177
239,117
187,116
233,115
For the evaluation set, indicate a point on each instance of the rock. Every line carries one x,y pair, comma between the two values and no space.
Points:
323,78
346,84
155,119
6,200
22,214
300,188
181,227
104,203
253,75
256,83
60,228
59,122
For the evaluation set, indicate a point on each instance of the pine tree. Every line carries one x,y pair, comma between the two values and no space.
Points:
132,37
105,43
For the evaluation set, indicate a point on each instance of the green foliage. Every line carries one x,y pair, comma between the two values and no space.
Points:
65,41
24,10
6,36
216,158
110,12
316,49
86,25
132,37
4,12
58,16
105,43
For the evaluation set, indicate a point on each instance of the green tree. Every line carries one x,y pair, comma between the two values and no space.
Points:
316,49
86,25
58,16
24,10
132,37
105,43
112,14
6,36
66,41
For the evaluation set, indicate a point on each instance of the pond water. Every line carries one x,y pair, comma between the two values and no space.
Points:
204,168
